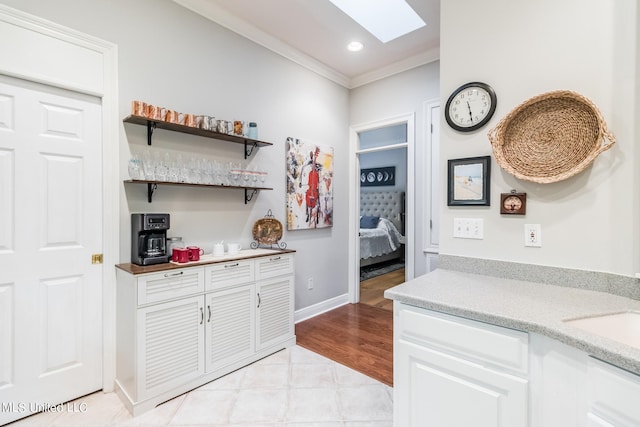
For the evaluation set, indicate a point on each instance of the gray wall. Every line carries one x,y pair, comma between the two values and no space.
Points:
523,49
171,57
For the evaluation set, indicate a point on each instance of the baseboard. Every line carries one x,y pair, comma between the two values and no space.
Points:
321,307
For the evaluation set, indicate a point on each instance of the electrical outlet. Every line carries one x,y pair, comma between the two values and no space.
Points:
533,235
310,283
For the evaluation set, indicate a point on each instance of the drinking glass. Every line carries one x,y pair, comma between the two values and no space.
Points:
162,170
149,166
135,167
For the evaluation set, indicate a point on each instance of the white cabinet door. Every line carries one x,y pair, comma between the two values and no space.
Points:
612,396
170,346
275,311
230,326
436,389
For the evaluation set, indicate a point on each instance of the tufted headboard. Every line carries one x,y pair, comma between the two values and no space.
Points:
385,204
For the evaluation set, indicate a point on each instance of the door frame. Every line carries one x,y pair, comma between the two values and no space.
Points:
354,199
93,70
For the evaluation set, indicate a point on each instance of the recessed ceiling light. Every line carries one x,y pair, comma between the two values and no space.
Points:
385,19
355,46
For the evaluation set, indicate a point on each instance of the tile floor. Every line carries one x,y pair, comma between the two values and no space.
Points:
292,388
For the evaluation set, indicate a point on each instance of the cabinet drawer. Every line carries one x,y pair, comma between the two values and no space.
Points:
273,266
476,341
170,284
228,274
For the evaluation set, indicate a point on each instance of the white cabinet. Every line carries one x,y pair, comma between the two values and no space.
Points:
455,372
180,328
570,388
170,345
613,396
230,330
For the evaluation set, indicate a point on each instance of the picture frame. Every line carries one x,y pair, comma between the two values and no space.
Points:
468,181
376,177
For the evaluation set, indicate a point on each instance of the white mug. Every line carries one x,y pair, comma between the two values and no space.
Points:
218,249
234,248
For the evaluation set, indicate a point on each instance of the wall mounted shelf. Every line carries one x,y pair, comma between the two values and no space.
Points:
151,124
249,192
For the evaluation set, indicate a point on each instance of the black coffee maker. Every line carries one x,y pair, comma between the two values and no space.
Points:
149,238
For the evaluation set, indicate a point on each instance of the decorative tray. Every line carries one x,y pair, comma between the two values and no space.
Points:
267,231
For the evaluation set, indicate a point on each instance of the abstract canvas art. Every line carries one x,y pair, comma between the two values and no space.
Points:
309,185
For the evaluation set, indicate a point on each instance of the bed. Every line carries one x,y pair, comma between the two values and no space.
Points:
381,240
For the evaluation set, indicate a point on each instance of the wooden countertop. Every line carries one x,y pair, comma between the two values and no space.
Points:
204,260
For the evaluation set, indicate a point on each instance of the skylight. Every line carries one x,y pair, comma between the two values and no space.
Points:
385,19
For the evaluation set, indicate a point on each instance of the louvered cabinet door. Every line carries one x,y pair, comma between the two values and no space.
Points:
230,326
275,311
170,346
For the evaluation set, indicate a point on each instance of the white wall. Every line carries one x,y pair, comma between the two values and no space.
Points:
522,49
401,94
172,57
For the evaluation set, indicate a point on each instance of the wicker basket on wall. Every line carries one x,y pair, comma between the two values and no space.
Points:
550,137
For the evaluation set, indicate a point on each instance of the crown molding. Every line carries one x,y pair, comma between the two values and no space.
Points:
396,68
224,18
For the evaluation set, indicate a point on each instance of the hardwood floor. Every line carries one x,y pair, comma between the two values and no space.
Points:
372,290
359,336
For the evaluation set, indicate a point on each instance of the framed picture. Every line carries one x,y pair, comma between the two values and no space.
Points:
309,185
376,177
469,181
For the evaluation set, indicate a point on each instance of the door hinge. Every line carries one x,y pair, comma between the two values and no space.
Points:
96,259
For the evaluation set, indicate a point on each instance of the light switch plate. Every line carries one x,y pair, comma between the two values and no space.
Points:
468,228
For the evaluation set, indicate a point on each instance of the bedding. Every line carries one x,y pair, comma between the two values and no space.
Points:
382,240
385,241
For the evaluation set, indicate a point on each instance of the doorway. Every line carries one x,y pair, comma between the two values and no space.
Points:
379,150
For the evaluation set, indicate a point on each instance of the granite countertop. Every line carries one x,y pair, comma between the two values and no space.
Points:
525,306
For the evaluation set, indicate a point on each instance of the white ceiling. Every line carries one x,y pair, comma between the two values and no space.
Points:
315,33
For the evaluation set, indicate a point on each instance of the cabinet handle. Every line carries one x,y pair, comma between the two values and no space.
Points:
259,300
231,265
209,310
201,316
174,274
275,259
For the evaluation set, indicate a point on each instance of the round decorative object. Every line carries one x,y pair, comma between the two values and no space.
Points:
470,106
267,231
550,137
513,203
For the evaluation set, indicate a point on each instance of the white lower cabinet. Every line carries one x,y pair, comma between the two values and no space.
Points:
573,389
170,343
230,325
454,372
179,329
613,396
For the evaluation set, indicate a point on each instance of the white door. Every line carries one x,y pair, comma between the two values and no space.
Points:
50,225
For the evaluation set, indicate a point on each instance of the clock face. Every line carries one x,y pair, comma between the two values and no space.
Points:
513,203
470,106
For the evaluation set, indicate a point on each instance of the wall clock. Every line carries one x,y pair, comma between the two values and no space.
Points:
470,106
513,203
